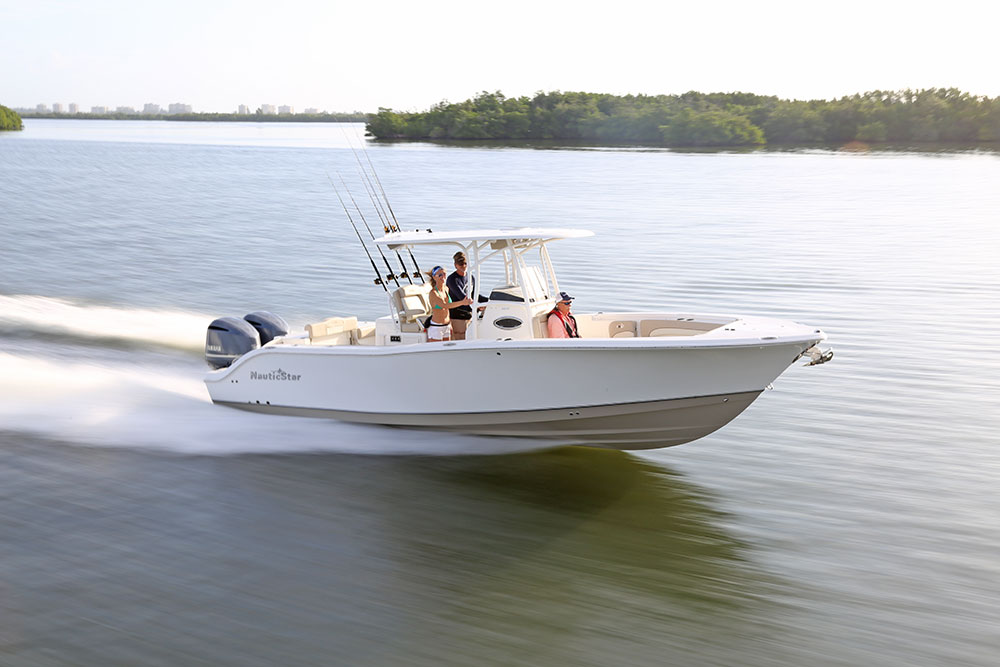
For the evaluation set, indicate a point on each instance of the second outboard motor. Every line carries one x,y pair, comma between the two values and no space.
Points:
229,338
268,325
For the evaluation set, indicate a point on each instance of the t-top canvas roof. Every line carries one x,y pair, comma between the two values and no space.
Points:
521,235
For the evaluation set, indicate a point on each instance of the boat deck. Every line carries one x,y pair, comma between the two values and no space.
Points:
340,330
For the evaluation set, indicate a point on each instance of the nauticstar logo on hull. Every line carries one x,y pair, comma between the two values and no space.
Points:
279,375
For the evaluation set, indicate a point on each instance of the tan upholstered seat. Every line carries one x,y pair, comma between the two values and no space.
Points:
657,328
413,306
622,329
333,330
539,325
364,335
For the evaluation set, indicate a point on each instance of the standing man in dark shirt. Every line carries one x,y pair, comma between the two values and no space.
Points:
460,286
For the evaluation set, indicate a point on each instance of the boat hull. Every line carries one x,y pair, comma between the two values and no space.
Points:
637,394
646,425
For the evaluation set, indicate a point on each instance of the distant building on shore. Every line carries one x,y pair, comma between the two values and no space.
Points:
311,110
177,107
244,110
150,108
125,110
268,110
98,109
57,107
74,107
41,108
284,110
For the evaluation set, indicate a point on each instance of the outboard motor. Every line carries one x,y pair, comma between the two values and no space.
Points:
268,325
229,338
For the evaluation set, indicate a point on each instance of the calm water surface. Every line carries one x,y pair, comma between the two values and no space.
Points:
849,517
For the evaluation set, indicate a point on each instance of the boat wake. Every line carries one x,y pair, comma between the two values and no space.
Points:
117,377
163,407
24,315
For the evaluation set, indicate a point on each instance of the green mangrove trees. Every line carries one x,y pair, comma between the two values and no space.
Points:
9,120
704,119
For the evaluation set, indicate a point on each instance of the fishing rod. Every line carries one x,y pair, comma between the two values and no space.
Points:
380,211
391,212
383,216
381,189
378,276
366,180
385,227
404,274
387,224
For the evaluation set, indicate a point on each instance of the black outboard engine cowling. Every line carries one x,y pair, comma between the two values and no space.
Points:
268,325
229,338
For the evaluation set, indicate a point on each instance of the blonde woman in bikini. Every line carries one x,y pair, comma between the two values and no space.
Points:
439,328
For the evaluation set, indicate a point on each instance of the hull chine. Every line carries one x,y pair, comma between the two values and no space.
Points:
645,425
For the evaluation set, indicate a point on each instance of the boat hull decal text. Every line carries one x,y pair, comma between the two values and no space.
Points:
280,375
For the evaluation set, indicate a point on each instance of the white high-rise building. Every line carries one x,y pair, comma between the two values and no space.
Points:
127,110
98,109
268,109
244,110
74,107
57,107
150,108
177,107
312,110
41,108
284,109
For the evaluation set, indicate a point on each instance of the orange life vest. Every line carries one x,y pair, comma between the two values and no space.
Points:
571,331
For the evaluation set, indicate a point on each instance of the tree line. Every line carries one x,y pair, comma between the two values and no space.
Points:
9,120
704,119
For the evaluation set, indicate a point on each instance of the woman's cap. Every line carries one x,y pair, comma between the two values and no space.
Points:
565,297
436,269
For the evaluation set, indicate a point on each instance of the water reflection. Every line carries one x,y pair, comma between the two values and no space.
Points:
569,555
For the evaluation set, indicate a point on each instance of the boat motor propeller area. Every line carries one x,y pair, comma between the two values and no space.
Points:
229,338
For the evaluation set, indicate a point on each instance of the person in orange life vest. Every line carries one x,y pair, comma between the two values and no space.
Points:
560,323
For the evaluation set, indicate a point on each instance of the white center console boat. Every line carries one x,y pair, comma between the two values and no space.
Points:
632,380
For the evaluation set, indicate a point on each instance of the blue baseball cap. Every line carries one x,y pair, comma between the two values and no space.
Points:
565,297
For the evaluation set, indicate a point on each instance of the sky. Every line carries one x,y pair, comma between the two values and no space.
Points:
358,56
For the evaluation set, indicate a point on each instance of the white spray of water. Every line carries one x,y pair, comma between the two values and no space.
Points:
177,329
149,401
160,407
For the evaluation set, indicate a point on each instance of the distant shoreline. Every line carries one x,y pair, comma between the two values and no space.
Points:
355,117
704,120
